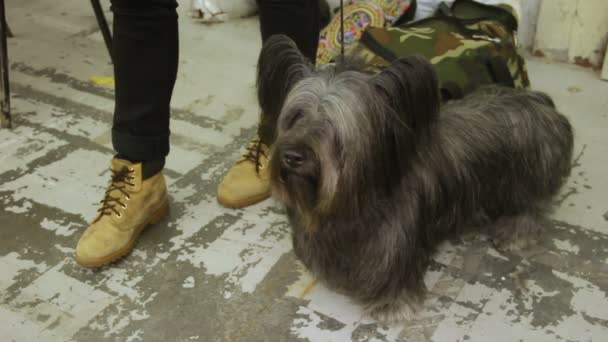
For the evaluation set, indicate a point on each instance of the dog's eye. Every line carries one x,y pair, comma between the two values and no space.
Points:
293,119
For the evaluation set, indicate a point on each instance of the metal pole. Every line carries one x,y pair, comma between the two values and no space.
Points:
103,26
342,29
5,103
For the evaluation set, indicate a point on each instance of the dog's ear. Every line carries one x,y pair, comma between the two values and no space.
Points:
280,66
410,88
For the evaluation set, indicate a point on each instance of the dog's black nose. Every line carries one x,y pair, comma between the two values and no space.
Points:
292,159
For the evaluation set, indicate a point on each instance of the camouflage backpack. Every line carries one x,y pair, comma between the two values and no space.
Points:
469,44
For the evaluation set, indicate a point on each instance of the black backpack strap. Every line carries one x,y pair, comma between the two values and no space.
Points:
500,71
470,9
444,10
408,15
450,91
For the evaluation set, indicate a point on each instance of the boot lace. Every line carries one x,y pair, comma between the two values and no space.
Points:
253,153
120,180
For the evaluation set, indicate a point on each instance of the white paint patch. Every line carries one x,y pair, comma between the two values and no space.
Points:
18,327
325,302
53,117
431,278
22,145
64,304
139,254
163,255
335,305
307,328
188,282
60,228
135,336
566,245
475,293
494,253
202,135
535,293
486,314
455,324
122,284
115,324
47,85
27,205
192,220
534,288
11,265
183,159
65,250
576,328
245,251
71,184
493,315
588,298
141,258
130,304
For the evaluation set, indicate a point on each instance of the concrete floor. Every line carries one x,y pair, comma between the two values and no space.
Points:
210,273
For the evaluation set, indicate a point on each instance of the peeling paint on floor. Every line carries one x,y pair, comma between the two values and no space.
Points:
209,273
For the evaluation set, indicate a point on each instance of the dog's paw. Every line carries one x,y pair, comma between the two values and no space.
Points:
512,242
515,234
395,312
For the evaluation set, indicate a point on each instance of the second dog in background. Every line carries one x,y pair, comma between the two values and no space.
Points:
374,174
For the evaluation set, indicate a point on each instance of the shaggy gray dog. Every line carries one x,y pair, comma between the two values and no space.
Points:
374,174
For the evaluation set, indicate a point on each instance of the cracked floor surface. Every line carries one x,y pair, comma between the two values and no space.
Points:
209,273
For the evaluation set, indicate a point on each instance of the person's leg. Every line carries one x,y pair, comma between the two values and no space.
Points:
297,19
247,182
145,51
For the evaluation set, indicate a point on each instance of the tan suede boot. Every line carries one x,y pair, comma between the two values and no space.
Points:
248,181
130,204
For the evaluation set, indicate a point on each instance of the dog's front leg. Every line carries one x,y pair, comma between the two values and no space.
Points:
396,308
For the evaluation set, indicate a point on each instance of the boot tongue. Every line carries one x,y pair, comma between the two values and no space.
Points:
119,164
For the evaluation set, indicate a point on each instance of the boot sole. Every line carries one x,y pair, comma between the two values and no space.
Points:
243,203
155,218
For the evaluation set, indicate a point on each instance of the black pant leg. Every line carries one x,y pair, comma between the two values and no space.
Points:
145,51
298,19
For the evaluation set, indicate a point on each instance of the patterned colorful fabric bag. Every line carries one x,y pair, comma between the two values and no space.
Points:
358,15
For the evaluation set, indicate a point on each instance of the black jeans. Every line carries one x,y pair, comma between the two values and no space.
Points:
145,51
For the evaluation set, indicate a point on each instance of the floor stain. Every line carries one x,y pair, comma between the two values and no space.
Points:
308,288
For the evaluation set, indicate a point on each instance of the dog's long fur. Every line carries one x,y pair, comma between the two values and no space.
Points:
385,174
